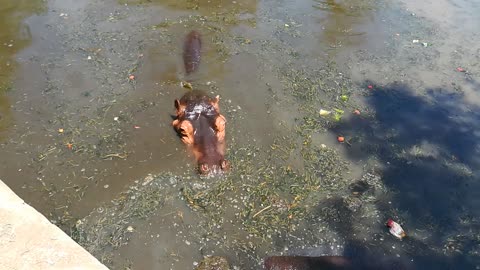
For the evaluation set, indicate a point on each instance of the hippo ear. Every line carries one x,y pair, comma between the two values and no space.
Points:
215,102
180,107
177,104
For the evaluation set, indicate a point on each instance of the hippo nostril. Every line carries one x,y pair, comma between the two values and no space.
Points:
204,168
224,165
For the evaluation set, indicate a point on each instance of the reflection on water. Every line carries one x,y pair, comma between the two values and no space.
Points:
319,28
14,36
203,6
341,20
5,116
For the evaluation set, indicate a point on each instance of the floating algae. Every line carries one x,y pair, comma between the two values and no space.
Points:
109,227
262,202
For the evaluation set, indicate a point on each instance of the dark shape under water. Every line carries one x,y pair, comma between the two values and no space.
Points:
192,51
329,263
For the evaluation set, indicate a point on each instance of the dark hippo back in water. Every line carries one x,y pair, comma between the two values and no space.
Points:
191,52
307,263
331,263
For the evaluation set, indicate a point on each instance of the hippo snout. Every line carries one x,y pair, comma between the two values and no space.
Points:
214,169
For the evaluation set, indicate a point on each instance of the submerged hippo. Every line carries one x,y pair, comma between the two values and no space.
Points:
332,263
307,263
198,120
191,52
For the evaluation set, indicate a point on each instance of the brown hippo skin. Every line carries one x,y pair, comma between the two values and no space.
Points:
191,52
198,120
307,263
333,263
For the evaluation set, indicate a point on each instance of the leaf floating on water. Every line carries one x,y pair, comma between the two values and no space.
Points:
324,112
338,114
186,85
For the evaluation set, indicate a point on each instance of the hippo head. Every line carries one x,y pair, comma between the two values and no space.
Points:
201,126
208,149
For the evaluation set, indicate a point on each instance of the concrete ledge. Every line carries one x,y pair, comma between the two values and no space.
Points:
29,241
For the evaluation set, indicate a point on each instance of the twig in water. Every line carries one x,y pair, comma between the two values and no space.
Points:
261,211
124,156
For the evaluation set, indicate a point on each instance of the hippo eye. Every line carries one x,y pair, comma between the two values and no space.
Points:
183,131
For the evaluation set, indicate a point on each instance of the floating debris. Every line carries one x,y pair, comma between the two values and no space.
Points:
395,229
338,114
341,139
213,263
324,112
186,85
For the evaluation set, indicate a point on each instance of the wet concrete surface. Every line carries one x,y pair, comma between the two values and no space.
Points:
29,241
75,131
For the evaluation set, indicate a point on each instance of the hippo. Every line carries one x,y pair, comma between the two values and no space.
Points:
191,52
332,263
307,263
198,120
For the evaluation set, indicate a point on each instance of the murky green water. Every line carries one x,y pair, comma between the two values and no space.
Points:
14,36
80,138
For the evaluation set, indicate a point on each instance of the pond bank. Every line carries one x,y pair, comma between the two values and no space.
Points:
29,241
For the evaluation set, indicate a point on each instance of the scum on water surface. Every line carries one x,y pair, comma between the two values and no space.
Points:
292,190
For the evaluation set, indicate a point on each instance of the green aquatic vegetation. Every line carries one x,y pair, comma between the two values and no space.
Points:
337,116
109,226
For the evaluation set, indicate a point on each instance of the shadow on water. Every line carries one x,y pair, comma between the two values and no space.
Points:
429,148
